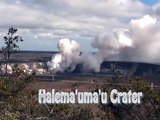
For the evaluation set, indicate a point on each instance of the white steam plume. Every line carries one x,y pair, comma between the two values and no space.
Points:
67,58
145,36
140,42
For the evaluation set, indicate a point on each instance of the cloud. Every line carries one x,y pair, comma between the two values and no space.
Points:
96,7
156,9
73,18
89,13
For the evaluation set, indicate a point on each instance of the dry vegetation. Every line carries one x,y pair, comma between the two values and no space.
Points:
18,101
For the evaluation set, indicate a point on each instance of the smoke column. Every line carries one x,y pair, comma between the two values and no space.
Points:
68,57
140,42
145,36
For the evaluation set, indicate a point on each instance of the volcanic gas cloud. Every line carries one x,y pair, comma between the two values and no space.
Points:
140,42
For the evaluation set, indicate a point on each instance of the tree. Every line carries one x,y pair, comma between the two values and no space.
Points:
11,45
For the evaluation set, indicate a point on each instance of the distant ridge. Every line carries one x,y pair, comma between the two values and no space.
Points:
32,51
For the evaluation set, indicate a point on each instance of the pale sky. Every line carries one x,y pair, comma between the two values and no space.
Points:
42,23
